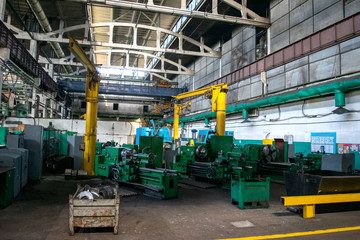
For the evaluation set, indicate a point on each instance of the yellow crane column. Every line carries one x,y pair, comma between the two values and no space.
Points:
218,95
220,112
91,96
176,120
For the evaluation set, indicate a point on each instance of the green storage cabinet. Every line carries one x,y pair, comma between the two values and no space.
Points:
6,186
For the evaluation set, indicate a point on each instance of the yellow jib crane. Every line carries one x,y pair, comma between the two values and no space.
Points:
218,96
91,96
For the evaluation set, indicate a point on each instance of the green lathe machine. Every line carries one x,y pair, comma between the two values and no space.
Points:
139,167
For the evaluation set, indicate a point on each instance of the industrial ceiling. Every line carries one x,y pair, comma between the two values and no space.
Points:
138,42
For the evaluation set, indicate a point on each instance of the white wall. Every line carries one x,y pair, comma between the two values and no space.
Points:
119,131
292,121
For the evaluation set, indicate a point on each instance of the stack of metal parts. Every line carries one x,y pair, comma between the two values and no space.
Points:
99,192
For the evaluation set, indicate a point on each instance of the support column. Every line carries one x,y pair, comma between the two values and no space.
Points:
176,121
33,48
51,106
2,15
33,100
91,94
51,70
2,10
220,113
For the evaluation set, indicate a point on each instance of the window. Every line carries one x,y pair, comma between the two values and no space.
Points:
115,106
83,104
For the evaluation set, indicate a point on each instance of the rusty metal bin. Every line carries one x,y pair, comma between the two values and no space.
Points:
95,213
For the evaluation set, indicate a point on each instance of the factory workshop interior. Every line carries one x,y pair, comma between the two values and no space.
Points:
180,119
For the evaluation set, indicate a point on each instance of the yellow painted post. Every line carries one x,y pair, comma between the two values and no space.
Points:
220,112
176,121
91,94
309,211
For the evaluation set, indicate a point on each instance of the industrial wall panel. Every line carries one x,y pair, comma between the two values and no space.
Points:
256,89
226,69
244,93
279,10
323,69
348,62
323,54
301,30
352,7
226,58
297,77
248,32
255,79
276,83
320,5
236,40
281,25
273,3
350,45
280,41
295,64
231,96
226,47
244,82
329,16
249,44
275,71
296,3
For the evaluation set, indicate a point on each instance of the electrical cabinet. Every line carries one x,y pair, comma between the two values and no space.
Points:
6,186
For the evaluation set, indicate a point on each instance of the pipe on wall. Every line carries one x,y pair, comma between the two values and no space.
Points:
333,88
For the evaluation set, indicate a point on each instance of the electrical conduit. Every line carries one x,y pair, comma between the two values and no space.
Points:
303,94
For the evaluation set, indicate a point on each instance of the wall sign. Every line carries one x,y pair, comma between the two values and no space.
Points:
325,140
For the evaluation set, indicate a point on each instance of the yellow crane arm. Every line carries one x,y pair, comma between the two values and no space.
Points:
91,96
80,55
218,95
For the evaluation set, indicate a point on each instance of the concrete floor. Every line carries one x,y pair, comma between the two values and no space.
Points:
41,212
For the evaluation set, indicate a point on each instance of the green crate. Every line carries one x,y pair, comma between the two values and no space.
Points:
4,131
250,194
6,186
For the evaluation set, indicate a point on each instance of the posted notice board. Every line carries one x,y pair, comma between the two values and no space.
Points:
323,139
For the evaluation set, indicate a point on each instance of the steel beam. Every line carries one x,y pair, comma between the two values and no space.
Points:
151,7
122,89
57,36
